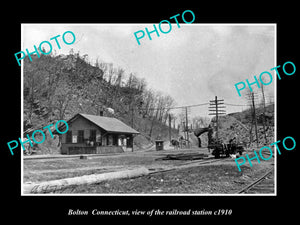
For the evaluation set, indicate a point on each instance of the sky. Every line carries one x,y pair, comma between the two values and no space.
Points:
193,63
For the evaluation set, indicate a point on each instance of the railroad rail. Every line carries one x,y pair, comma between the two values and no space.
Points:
193,163
264,184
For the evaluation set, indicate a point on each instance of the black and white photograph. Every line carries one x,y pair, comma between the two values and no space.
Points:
149,113
165,109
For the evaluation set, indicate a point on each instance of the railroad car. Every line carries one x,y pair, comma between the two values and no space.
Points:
221,149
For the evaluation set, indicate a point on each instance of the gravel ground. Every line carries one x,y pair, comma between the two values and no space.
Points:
209,179
222,177
37,170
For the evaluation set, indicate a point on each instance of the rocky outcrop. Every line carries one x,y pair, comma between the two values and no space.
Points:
230,127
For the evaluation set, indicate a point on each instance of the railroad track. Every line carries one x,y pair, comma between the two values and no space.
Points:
204,161
189,164
263,185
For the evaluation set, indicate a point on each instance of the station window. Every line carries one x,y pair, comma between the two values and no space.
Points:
80,136
93,135
69,136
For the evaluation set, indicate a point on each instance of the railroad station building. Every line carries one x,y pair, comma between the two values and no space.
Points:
90,134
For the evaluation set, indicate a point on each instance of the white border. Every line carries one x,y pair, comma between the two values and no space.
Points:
22,110
163,194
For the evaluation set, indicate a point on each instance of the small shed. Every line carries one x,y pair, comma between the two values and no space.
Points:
91,134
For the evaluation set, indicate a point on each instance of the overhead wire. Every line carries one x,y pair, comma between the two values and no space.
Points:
190,106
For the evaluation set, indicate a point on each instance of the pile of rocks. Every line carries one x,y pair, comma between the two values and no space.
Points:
230,128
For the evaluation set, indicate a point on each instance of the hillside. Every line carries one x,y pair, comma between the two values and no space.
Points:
246,115
58,87
238,125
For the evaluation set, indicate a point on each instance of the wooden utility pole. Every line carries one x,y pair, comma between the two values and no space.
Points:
183,129
170,120
187,126
217,110
264,114
254,117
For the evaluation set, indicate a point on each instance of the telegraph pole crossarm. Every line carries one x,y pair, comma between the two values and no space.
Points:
215,109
